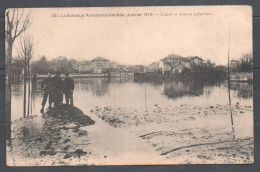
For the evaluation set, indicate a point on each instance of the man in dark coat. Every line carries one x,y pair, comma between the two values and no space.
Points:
68,88
48,91
57,89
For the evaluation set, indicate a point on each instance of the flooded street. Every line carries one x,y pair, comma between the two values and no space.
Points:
126,93
171,122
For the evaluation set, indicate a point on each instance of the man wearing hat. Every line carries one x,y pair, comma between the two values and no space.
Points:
57,89
68,88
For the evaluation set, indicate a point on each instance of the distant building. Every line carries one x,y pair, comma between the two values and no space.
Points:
195,61
166,64
176,64
189,63
86,66
100,65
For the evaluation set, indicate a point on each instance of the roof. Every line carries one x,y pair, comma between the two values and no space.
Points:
165,61
100,59
195,57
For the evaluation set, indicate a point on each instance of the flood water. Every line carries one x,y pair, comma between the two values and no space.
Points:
127,93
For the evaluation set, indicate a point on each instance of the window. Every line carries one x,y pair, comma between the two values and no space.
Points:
101,64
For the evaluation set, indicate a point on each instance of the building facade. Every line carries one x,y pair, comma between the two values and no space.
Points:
170,65
100,65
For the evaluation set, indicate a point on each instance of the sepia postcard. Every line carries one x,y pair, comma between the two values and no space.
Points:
129,86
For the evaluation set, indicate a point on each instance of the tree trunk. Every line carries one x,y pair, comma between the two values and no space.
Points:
29,88
24,92
9,88
31,97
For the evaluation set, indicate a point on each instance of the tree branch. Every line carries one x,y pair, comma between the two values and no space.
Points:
26,49
13,16
25,24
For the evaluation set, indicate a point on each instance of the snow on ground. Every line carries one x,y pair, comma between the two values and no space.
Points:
189,134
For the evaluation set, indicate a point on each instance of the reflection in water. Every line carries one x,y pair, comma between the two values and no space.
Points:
176,89
17,89
243,90
185,88
100,87
33,95
122,92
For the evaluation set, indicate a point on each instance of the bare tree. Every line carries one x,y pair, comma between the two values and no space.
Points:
25,51
16,24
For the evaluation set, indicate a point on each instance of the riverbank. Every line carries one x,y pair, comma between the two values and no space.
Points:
95,75
189,134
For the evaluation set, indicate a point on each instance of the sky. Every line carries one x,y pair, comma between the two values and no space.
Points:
142,39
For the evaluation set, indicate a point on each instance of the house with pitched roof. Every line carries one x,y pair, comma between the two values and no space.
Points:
189,63
100,65
176,64
166,64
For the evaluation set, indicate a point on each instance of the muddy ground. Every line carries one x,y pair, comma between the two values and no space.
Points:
55,138
190,134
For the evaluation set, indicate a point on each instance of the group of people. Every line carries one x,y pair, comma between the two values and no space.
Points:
55,87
